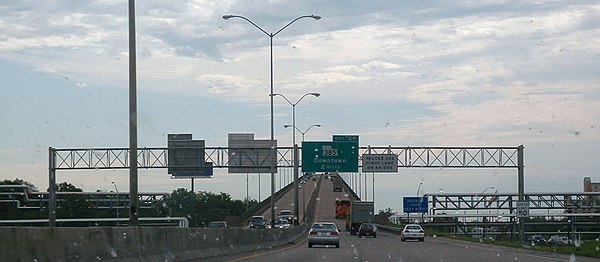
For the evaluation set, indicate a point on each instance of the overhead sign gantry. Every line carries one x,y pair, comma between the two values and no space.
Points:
421,157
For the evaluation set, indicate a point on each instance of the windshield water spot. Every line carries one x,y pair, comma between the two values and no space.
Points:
112,252
573,258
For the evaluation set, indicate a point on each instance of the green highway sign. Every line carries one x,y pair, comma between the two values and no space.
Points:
328,156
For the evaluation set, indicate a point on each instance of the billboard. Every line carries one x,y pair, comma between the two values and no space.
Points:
185,156
247,155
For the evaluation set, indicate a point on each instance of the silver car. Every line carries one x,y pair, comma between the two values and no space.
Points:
412,231
282,223
324,233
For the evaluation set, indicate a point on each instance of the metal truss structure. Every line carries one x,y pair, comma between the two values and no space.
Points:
564,202
450,157
436,157
118,158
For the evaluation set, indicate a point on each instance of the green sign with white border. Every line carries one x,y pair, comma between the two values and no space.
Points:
328,156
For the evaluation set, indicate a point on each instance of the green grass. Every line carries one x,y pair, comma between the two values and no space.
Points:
589,248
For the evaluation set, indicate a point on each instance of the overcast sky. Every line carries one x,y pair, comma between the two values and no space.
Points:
400,73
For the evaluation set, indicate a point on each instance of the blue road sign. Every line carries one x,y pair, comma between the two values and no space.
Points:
415,204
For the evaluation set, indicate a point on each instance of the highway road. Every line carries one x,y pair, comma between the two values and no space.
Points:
287,200
388,247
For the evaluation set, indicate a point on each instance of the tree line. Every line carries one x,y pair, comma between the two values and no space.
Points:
199,208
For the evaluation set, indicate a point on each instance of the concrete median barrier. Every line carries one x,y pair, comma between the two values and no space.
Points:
135,244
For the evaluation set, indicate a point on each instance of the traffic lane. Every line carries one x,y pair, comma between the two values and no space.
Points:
286,202
325,211
325,208
388,247
301,252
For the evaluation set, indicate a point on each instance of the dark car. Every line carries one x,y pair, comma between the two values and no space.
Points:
537,240
258,222
367,229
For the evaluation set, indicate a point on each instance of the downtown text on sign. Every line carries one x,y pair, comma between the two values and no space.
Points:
329,156
380,163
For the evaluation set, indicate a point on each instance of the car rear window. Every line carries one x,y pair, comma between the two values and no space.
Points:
324,226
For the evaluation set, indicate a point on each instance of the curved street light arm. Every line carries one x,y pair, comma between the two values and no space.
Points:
309,128
226,17
286,99
298,129
316,17
297,102
307,94
490,187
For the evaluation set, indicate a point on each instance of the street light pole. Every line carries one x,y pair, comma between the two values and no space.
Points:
116,189
273,146
294,154
296,167
294,112
133,162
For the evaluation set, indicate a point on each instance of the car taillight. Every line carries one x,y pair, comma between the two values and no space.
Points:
312,233
335,233
421,231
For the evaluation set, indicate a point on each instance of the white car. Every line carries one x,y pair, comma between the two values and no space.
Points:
324,233
558,240
412,231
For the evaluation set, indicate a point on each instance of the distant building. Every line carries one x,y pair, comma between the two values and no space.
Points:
589,203
588,186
